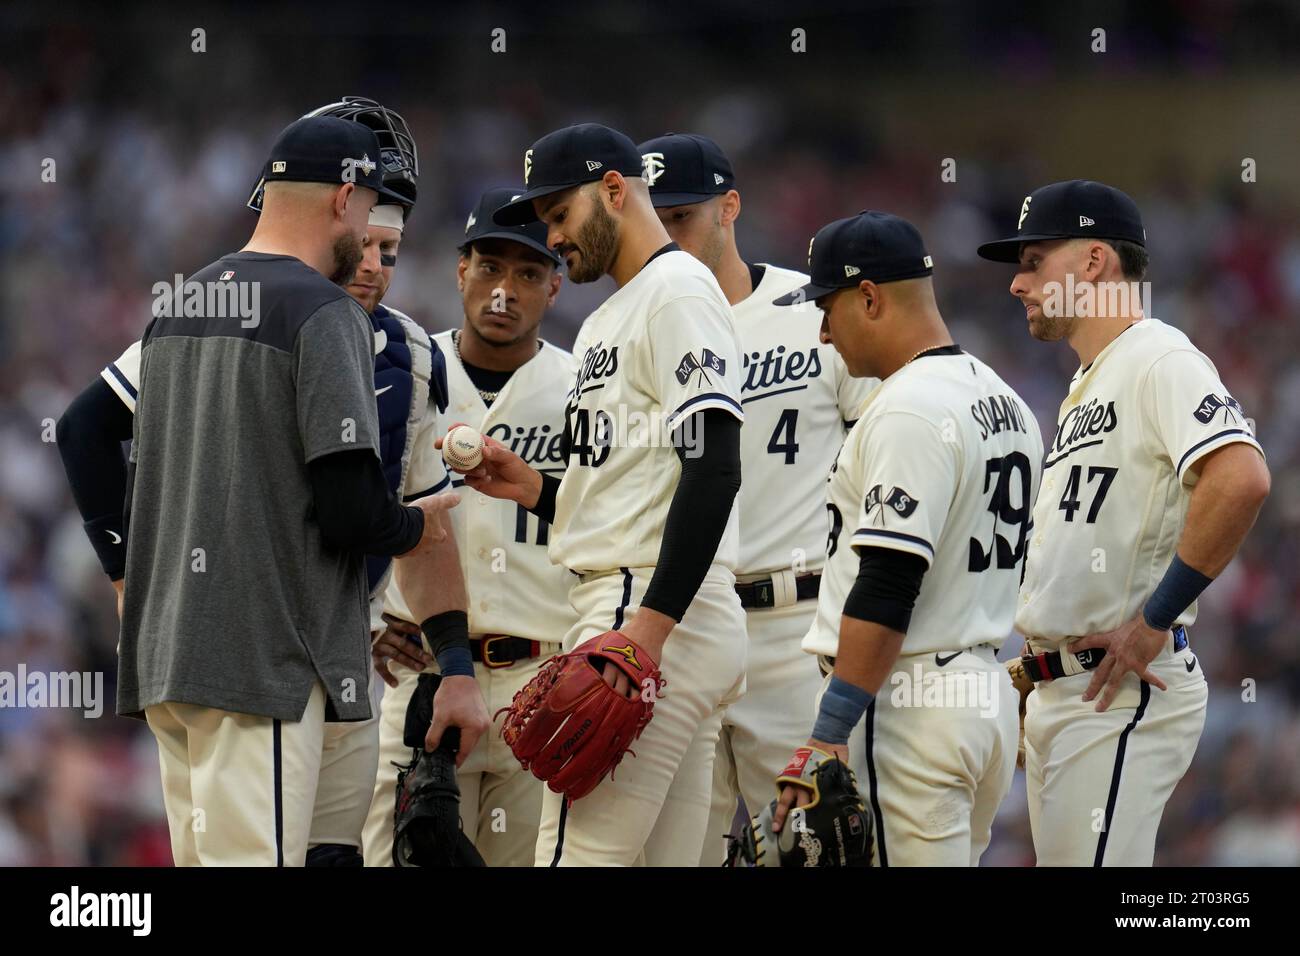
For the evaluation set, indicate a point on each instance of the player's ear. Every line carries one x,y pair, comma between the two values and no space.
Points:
1098,254
730,207
869,296
462,264
556,279
614,188
346,193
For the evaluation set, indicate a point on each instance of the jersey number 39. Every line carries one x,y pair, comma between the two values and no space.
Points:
1010,469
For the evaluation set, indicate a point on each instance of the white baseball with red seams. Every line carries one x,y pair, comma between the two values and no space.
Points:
462,449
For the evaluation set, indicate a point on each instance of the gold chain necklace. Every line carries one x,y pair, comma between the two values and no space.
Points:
488,397
930,348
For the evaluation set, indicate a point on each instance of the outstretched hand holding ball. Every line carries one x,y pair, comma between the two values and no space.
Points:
462,448
491,467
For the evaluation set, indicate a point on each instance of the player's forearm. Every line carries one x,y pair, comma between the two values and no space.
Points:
1233,484
432,583
355,509
90,435
867,653
539,497
877,613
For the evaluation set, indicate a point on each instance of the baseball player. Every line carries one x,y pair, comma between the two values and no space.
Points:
643,515
194,736
508,383
799,402
929,500
406,366
410,384
1151,483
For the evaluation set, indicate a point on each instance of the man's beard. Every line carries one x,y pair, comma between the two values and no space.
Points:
597,243
347,256
1051,328
712,249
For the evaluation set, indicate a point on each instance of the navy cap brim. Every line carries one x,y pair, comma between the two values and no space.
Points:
660,200
519,238
1008,250
806,293
520,212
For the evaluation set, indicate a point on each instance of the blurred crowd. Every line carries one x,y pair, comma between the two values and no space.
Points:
142,190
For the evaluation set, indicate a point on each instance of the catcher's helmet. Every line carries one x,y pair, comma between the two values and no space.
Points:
399,159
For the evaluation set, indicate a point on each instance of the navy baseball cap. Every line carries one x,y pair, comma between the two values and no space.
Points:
683,168
325,149
871,245
1076,208
481,226
569,157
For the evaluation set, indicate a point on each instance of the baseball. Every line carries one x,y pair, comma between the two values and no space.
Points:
462,449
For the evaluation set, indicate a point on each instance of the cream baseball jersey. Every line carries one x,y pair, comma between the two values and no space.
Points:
658,350
799,403
513,586
123,375
1117,481
943,463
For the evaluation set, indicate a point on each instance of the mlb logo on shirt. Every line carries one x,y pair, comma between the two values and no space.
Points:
714,362
685,367
227,275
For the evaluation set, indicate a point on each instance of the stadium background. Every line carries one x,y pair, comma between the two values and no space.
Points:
157,147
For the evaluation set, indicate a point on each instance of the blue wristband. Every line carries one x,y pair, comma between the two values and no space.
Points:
841,709
455,662
1175,593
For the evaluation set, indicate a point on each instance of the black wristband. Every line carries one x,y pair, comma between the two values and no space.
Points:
448,637
545,507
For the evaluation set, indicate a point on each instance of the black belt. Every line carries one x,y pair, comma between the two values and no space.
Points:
761,593
502,650
1053,665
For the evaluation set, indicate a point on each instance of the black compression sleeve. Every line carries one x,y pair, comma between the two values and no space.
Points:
90,435
545,507
886,587
355,508
698,514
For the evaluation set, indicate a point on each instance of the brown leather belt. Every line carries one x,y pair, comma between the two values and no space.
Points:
502,650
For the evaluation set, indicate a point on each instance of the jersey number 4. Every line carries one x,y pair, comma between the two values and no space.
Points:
1009,470
1070,500
785,426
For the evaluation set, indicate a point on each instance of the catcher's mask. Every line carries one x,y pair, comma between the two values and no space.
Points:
398,156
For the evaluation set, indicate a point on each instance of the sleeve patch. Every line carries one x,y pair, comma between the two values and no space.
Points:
1212,404
902,502
709,361
715,362
687,367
